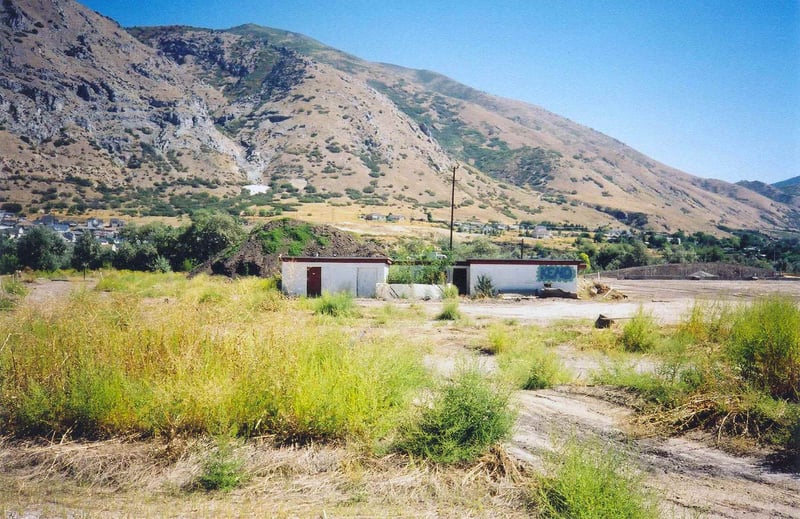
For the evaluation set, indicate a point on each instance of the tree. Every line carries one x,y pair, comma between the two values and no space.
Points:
41,248
86,253
8,255
164,239
210,233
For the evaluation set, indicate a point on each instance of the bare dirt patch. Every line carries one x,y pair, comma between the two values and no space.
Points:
689,474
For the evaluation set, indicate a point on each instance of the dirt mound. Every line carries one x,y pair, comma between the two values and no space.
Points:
596,289
259,254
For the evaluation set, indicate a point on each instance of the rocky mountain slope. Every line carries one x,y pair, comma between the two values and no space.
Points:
96,116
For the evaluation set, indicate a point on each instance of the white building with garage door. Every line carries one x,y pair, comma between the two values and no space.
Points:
311,276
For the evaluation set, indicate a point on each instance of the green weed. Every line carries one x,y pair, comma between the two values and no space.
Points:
533,366
336,305
450,311
223,470
499,338
450,292
592,481
119,363
764,346
640,333
465,418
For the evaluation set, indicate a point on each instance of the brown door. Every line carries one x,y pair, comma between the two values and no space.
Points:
313,281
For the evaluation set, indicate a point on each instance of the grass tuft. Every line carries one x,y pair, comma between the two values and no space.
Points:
591,481
640,333
465,418
450,311
222,470
339,304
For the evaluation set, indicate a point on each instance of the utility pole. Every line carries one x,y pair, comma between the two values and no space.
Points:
452,206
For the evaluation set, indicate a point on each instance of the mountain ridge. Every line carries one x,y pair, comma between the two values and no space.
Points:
159,115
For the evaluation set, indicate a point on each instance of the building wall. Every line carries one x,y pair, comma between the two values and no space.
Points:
525,279
359,279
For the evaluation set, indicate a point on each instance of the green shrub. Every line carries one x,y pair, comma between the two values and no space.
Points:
546,370
466,417
450,311
450,292
498,339
764,346
222,470
706,323
484,287
339,304
592,481
529,364
640,333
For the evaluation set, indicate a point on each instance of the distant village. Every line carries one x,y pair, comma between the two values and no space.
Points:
105,232
493,228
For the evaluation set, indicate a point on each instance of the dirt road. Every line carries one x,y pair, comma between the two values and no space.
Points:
667,301
690,475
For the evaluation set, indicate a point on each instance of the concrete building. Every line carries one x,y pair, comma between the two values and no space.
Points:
518,276
310,276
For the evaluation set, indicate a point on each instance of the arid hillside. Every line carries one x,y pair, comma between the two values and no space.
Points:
160,120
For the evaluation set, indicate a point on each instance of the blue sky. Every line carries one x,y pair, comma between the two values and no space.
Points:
710,87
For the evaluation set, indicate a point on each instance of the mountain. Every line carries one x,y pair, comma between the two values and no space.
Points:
165,118
790,186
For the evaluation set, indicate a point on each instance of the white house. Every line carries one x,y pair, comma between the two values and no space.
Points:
310,276
524,276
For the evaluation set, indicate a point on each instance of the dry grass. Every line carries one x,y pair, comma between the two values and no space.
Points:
147,478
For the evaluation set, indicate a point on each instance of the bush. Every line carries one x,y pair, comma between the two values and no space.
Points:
764,346
466,418
450,311
640,333
546,370
222,470
484,287
707,323
498,339
336,305
450,292
589,482
528,364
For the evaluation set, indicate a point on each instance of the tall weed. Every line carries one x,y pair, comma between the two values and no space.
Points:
592,481
640,333
764,345
120,363
450,311
465,418
339,304
529,364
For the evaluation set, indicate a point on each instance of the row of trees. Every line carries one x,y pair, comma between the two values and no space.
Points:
741,247
150,247
160,247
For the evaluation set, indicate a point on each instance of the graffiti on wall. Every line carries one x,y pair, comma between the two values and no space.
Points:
555,273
